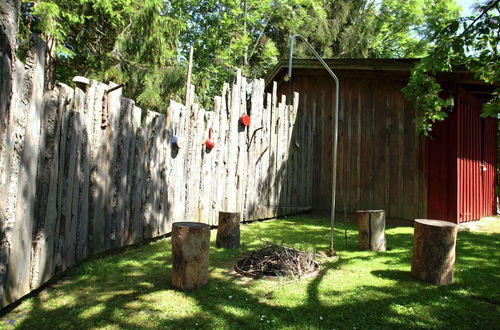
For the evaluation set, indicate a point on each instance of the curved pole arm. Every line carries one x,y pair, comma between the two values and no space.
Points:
335,135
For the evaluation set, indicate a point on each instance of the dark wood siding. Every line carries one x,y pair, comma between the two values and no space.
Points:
381,160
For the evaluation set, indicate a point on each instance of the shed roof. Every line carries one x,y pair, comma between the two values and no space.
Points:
459,74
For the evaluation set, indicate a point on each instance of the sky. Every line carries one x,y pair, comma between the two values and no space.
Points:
466,6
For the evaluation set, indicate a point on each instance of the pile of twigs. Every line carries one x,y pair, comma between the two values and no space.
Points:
278,260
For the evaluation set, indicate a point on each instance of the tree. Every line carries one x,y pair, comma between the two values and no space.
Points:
254,34
405,28
121,40
469,41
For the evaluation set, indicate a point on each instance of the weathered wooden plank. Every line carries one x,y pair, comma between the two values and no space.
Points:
207,160
280,151
305,148
265,156
150,175
73,180
10,165
273,157
156,184
325,189
295,149
135,123
311,160
138,191
211,202
242,169
283,154
221,150
378,154
121,178
175,184
353,201
254,150
387,161
193,163
155,123
44,253
396,154
113,100
85,142
47,171
98,174
164,225
231,193
19,264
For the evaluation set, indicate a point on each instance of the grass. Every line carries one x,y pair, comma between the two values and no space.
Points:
359,290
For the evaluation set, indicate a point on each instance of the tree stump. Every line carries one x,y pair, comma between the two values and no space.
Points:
434,251
228,231
371,227
190,251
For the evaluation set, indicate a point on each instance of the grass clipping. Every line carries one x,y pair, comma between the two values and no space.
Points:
277,260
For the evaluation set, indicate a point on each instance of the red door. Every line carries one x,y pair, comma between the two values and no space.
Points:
462,172
475,159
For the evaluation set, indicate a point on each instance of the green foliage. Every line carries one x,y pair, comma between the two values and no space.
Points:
405,28
254,34
470,41
145,44
120,40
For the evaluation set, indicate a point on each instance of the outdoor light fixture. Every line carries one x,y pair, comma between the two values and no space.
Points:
450,103
335,135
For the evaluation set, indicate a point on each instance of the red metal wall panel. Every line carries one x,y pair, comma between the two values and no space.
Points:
462,172
488,173
475,160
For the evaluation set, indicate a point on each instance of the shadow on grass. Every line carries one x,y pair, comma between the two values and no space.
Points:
362,289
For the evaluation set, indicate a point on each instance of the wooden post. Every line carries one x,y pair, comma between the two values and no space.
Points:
371,226
190,252
228,232
188,83
434,251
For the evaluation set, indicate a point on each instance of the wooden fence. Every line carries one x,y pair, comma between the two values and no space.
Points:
73,186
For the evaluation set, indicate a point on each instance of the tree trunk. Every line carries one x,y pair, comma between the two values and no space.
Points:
371,226
228,231
190,254
434,251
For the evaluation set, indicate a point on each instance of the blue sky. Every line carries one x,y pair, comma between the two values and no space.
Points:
466,6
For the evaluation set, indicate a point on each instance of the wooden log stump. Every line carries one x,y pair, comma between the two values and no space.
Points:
228,231
190,252
434,251
371,226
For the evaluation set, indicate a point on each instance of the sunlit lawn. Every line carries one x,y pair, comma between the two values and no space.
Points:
360,290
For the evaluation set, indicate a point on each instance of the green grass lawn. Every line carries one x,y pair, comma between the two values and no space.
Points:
359,290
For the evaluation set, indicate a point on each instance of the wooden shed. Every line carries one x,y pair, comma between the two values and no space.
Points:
382,162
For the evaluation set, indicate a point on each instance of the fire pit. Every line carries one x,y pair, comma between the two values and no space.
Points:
276,260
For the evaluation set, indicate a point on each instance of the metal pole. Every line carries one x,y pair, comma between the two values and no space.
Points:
335,135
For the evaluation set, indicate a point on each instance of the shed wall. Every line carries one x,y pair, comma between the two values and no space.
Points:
381,160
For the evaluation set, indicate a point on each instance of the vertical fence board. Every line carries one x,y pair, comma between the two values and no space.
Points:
28,140
111,140
97,201
138,191
221,150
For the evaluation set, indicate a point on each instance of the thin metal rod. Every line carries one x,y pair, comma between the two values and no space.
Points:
335,135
